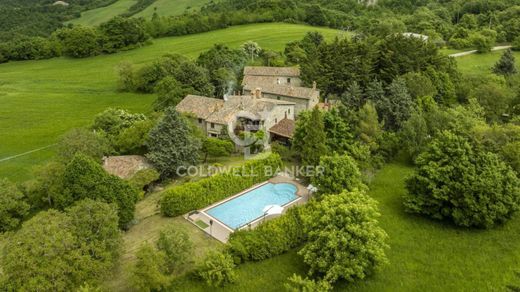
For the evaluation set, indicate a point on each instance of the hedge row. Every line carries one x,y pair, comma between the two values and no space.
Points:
197,195
271,238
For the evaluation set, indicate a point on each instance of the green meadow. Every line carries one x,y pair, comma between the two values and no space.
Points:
481,64
170,7
102,14
43,99
424,255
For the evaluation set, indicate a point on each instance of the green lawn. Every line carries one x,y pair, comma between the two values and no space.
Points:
481,64
170,7
43,99
424,255
102,14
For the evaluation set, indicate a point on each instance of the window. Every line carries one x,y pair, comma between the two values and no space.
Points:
289,110
278,98
288,80
276,121
212,125
200,121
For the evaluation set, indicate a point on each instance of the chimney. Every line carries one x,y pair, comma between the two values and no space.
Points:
258,93
314,85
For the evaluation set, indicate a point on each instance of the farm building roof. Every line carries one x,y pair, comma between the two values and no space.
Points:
272,71
286,90
284,128
125,166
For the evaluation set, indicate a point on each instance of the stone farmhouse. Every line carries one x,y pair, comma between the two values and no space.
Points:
280,83
238,113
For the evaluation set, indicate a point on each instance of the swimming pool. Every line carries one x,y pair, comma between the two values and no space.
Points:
249,206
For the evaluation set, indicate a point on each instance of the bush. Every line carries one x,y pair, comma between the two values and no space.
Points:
218,269
143,178
82,141
298,284
271,238
176,245
456,182
196,195
149,271
344,238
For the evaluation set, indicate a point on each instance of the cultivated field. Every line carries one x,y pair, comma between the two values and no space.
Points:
43,99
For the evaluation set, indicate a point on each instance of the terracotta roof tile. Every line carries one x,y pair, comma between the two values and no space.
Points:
284,128
272,71
286,90
125,166
202,107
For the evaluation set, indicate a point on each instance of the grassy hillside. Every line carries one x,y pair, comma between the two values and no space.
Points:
43,99
424,255
171,7
102,14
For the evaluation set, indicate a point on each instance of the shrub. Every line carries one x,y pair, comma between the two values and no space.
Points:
149,271
195,195
456,182
82,141
298,284
217,269
344,238
143,178
271,238
176,245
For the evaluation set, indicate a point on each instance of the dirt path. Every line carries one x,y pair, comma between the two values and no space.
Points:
498,48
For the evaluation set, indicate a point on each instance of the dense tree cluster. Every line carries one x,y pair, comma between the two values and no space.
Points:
60,251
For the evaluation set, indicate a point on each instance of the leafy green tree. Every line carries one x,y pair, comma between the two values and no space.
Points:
339,135
419,85
113,120
369,130
150,270
310,139
121,32
506,65
172,144
495,98
126,73
175,243
353,98
46,188
483,43
214,147
217,269
395,107
80,246
516,44
82,141
251,49
80,41
132,140
344,237
13,206
85,179
25,269
456,182
336,174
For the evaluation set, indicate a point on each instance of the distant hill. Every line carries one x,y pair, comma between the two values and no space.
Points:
99,15
171,7
40,17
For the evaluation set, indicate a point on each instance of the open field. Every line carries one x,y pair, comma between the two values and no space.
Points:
481,64
102,14
43,99
170,7
424,255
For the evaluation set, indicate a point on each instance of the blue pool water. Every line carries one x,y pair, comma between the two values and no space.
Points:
249,206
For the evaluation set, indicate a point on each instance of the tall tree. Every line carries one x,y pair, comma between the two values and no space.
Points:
13,205
172,144
506,65
310,139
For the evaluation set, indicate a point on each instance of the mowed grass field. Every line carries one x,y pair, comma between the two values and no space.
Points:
424,255
171,7
43,99
102,14
481,64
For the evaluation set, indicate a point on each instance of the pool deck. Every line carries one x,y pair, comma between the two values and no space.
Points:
221,232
